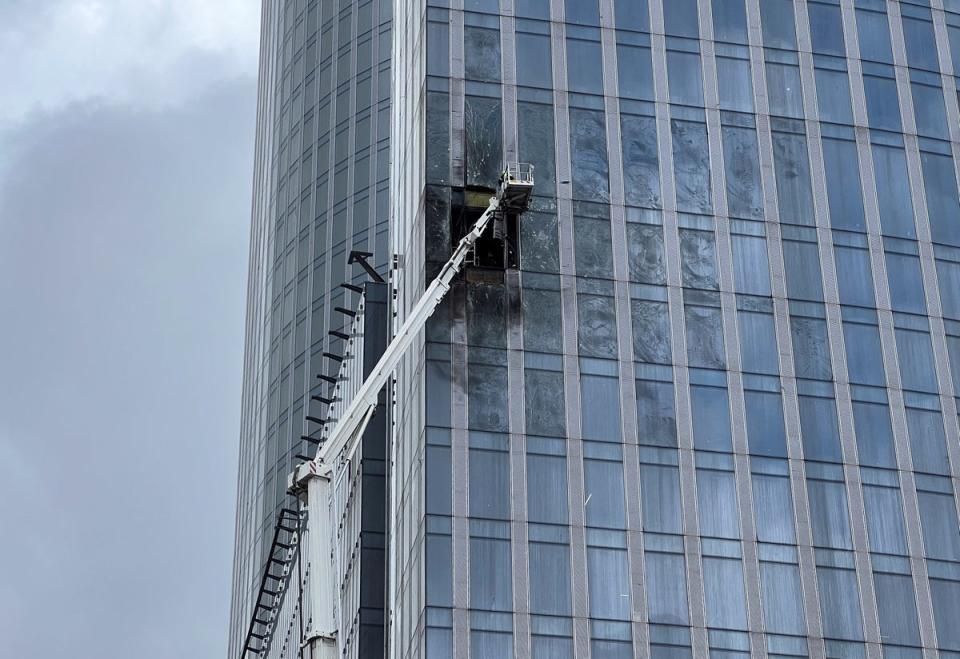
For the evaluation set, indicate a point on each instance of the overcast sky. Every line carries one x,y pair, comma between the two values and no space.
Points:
126,143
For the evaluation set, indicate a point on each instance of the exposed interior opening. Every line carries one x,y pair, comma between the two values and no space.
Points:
498,247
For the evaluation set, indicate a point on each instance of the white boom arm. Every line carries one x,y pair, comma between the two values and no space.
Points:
349,428
315,477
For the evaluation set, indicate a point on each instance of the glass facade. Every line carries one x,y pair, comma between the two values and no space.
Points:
321,190
714,411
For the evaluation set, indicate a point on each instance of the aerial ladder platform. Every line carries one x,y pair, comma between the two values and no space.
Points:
312,481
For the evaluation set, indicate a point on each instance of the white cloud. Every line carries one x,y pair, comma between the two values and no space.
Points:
145,52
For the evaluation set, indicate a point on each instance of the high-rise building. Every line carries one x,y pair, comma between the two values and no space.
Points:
320,191
705,401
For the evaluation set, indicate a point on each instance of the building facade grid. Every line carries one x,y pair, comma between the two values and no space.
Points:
714,413
717,396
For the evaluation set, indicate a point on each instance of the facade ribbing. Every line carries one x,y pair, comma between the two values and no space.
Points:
320,191
714,412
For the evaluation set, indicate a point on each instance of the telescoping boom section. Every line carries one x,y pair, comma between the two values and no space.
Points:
312,480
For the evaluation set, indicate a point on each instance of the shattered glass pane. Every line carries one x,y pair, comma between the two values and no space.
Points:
641,169
597,335
536,144
811,351
704,337
645,253
656,413
544,403
795,199
742,167
594,253
651,331
538,242
481,60
691,165
542,320
698,259
588,155
437,223
484,141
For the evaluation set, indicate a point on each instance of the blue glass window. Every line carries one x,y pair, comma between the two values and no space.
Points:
874,36
723,592
686,79
826,29
765,429
893,191
921,42
828,514
735,85
782,599
547,489
534,51
690,153
943,205
883,107
586,12
874,435
665,581
711,418
818,427
635,70
929,111
843,185
833,96
885,520
680,18
840,604
717,504
730,21
778,24
641,169
588,155
584,66
758,342
742,167
773,508
632,15
549,579
792,168
751,268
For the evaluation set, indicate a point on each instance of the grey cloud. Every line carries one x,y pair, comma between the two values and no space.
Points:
123,238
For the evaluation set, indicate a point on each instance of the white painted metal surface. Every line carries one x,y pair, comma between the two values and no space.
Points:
314,479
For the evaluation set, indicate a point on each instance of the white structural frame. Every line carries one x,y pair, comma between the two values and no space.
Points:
314,478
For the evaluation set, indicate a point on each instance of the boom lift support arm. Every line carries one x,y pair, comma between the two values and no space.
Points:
314,478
